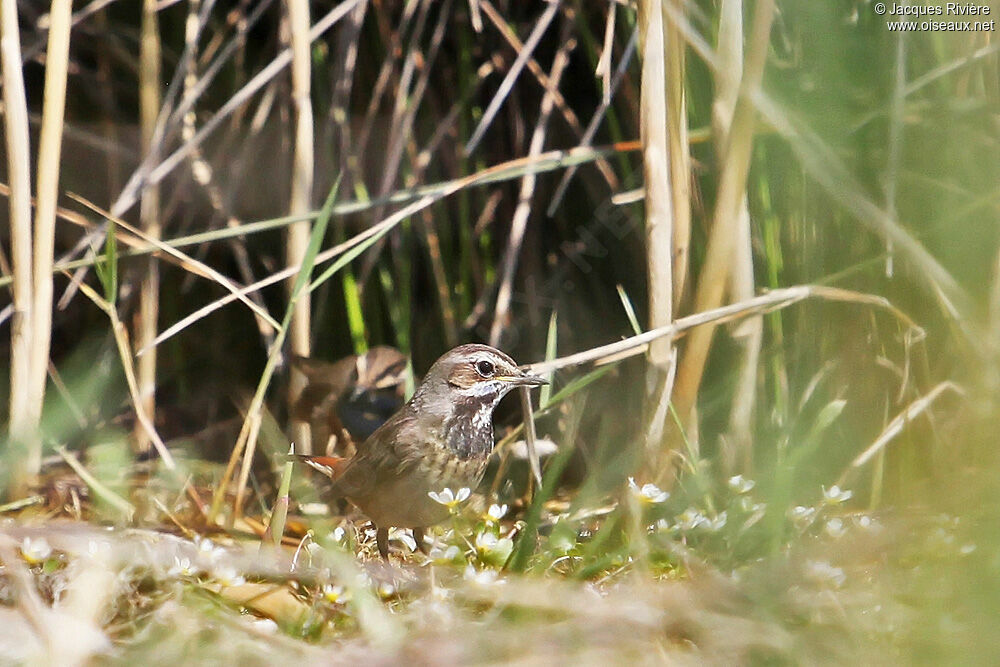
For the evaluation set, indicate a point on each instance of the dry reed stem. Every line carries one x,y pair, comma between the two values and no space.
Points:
723,235
345,57
149,173
737,449
654,119
201,171
519,222
47,194
24,416
300,201
603,69
680,157
146,320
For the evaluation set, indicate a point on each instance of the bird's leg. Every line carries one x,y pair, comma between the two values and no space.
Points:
382,540
418,537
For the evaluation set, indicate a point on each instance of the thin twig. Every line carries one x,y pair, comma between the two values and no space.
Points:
102,491
519,222
896,426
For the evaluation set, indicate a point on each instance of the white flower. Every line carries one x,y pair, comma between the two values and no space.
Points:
740,485
182,568
385,590
835,528
486,542
401,535
834,495
495,513
802,516
98,548
443,556
208,551
335,594
314,509
718,523
750,507
690,519
481,577
648,494
35,551
228,576
865,522
822,572
338,534
264,626
493,549
450,499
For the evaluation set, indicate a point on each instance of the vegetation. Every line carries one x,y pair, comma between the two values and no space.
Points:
755,248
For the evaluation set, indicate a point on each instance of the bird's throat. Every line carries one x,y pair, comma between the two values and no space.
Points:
469,430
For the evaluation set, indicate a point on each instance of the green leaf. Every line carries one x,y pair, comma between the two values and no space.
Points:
545,394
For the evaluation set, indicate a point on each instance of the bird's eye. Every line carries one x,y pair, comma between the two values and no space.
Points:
485,368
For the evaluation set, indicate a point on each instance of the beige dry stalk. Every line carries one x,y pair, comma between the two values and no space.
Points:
297,234
149,216
655,134
24,415
737,448
49,150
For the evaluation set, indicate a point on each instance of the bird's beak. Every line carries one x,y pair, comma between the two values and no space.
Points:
524,380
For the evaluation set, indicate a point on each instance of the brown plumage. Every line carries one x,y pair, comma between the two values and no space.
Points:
442,438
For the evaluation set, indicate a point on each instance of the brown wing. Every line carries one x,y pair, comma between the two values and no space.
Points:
390,451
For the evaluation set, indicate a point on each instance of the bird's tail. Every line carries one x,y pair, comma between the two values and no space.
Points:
331,466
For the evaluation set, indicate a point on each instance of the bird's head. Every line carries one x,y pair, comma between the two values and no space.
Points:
475,374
